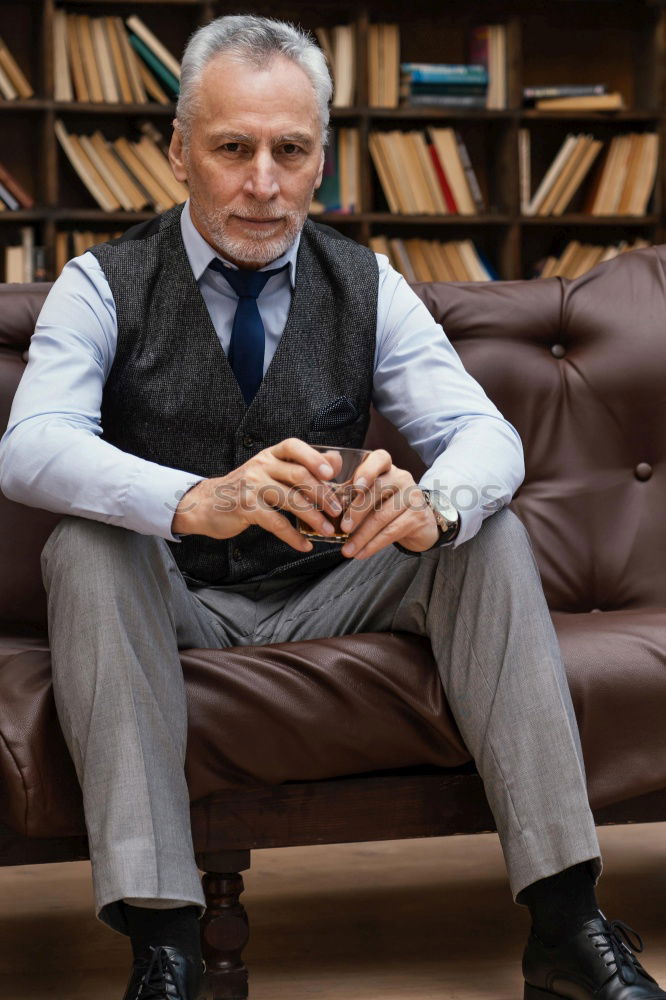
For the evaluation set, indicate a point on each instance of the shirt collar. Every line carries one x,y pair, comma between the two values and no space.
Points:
200,253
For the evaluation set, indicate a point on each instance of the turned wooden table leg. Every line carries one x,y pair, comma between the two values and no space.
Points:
224,927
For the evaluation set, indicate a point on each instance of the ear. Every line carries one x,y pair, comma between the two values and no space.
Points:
176,154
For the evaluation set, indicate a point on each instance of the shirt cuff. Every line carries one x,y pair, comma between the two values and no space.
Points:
153,497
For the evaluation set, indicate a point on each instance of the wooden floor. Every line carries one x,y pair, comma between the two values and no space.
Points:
403,920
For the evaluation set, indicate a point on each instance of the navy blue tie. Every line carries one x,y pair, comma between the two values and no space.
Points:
246,350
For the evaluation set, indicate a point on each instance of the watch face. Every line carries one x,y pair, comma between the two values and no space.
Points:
442,505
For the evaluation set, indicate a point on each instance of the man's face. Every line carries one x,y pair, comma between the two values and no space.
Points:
254,158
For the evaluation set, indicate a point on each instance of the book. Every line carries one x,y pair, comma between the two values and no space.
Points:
643,184
118,62
16,75
102,47
88,58
344,61
444,140
567,90
141,30
8,198
75,61
16,189
445,187
109,177
400,168
524,168
400,255
155,161
62,80
132,193
599,102
132,63
7,88
380,162
472,179
488,48
164,76
150,84
445,73
447,100
14,264
28,247
436,194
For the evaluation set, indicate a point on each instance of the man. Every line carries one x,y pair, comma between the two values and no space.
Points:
176,382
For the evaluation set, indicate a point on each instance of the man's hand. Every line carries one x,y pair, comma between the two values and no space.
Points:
289,476
388,508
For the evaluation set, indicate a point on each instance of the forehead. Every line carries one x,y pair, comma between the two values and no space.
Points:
276,99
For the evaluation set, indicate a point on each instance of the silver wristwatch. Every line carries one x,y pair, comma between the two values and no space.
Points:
446,515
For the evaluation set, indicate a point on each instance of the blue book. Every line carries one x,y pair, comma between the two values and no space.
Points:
445,72
8,198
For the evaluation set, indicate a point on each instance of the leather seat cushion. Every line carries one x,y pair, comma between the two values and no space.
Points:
324,708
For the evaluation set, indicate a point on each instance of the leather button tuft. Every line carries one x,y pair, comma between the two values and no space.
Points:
558,350
237,554
643,471
248,441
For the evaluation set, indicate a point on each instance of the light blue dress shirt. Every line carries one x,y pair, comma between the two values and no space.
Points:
52,455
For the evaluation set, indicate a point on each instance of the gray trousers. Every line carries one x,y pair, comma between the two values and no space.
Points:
119,610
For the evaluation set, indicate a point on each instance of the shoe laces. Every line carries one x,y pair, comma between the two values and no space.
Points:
159,977
617,940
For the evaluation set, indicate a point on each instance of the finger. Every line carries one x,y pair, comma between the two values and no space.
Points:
365,502
294,450
376,463
299,478
273,494
278,525
392,531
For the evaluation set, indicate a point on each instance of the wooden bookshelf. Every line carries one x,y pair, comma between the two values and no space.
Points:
554,42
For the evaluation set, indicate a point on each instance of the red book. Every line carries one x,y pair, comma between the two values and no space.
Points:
443,183
15,188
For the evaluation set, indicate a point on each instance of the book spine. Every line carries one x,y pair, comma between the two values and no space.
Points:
8,198
15,188
443,182
164,75
447,100
472,179
448,88
444,73
574,90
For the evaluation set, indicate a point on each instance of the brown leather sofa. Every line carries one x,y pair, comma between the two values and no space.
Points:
351,739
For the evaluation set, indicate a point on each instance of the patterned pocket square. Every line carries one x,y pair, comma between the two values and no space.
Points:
339,413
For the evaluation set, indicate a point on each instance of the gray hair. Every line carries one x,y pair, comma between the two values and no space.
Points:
254,41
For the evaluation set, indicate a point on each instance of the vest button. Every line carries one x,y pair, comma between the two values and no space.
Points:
643,471
248,441
237,554
558,351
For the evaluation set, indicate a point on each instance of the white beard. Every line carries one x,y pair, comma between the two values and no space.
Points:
258,248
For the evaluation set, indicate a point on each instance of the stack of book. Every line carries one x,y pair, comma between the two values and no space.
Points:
105,60
488,47
623,185
433,260
444,85
340,189
120,174
339,47
422,175
13,195
573,97
25,261
13,82
73,243
383,65
578,258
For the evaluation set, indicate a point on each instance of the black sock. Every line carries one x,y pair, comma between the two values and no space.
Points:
178,927
560,904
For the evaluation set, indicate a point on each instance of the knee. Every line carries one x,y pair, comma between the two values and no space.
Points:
85,550
502,540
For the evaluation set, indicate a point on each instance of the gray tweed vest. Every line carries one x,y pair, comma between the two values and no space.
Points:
172,398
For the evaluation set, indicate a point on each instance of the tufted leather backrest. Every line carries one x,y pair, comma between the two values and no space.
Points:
579,368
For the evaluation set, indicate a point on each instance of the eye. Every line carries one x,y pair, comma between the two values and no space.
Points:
291,149
231,147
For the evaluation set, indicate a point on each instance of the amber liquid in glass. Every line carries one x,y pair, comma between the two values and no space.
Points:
345,493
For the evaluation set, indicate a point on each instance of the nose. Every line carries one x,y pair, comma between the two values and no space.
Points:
262,181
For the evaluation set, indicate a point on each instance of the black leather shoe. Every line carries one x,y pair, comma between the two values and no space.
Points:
597,963
165,973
